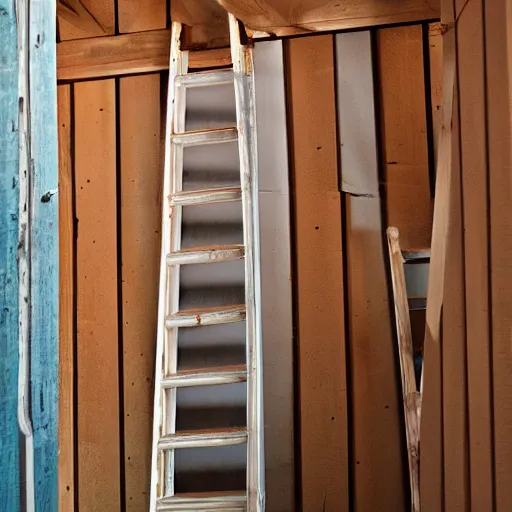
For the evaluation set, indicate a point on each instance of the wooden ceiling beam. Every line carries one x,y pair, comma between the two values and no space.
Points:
140,52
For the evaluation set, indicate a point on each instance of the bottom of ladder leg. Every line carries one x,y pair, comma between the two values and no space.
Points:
229,501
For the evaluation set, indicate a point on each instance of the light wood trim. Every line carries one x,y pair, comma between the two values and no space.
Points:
319,276
140,52
410,395
66,305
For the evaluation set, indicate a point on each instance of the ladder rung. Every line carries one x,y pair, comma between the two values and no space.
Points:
212,254
204,78
230,501
206,377
200,137
203,438
206,196
207,316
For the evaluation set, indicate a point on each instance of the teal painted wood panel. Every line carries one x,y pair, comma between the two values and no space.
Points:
45,252
9,436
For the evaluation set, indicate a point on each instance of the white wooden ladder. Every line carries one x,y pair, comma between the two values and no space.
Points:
171,320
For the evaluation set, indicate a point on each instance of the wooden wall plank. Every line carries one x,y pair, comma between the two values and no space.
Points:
276,287
405,153
378,442
500,198
136,16
97,323
474,184
356,113
93,18
431,426
44,240
319,277
66,305
455,423
141,174
376,412
142,52
9,198
435,48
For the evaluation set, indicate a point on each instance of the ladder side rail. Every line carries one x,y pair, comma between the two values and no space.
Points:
246,123
175,213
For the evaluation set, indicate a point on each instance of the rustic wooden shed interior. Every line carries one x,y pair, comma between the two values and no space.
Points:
351,139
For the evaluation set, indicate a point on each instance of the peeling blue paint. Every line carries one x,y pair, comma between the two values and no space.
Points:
9,192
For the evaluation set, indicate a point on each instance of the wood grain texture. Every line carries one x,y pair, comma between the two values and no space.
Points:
285,17
500,239
475,190
93,18
9,197
141,173
431,425
319,260
98,383
453,346
410,395
66,304
435,48
379,445
143,52
405,153
44,227
136,16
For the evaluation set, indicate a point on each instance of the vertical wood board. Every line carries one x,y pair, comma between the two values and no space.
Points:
435,48
66,304
475,191
44,321
319,277
97,328
453,346
277,321
9,195
378,435
500,238
356,113
141,175
405,153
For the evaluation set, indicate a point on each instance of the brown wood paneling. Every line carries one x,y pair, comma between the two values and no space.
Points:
97,357
497,24
453,346
378,442
435,46
86,18
402,93
66,304
136,16
142,52
474,185
319,277
141,174
431,427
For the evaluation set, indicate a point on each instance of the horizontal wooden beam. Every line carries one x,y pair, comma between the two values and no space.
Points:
140,52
